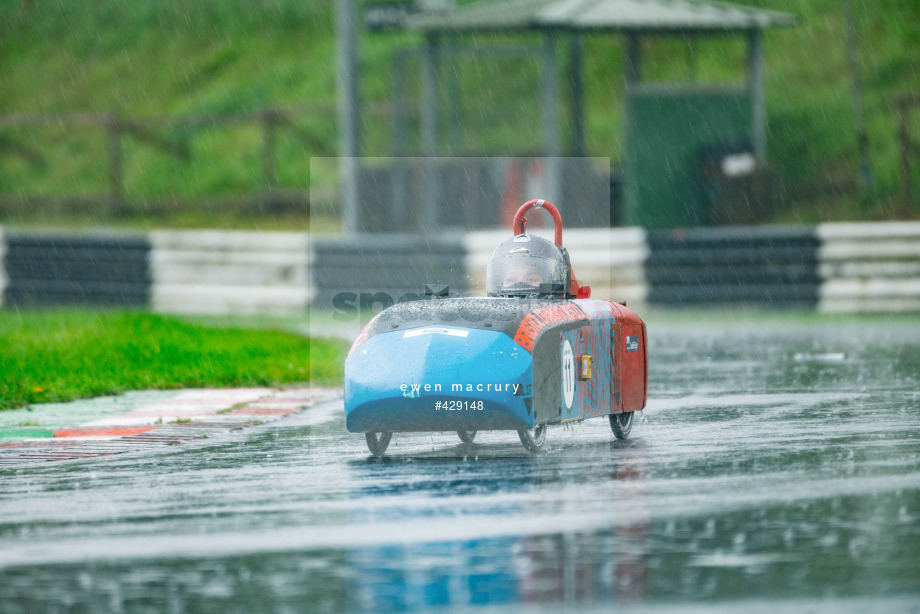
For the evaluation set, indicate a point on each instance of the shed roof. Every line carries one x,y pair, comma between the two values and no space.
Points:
602,15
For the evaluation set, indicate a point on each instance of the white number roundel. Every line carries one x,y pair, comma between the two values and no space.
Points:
568,374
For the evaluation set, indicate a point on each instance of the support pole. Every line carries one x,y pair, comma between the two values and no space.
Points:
269,170
577,94
454,98
693,63
349,111
862,135
430,131
756,89
399,186
632,71
633,61
429,109
116,165
552,170
907,194
398,139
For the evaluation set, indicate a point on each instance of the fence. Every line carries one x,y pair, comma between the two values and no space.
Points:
171,136
230,272
385,267
765,267
76,270
2,267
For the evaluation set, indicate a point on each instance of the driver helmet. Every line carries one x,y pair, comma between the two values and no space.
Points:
519,265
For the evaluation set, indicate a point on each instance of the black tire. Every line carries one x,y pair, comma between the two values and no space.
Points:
533,439
377,442
467,436
621,424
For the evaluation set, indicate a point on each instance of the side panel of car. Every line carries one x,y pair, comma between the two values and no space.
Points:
585,377
548,372
594,369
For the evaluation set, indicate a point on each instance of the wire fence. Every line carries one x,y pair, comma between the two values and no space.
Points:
35,139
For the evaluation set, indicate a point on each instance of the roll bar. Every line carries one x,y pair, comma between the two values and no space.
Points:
538,203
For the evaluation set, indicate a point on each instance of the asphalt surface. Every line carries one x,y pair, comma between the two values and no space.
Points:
777,468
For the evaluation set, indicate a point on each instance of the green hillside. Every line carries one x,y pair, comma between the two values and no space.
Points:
190,58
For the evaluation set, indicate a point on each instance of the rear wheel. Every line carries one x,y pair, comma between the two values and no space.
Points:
377,442
534,438
467,436
621,424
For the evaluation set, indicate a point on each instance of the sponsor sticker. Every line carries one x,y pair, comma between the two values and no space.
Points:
568,374
632,344
434,330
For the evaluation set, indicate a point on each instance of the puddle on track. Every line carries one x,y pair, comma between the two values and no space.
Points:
763,475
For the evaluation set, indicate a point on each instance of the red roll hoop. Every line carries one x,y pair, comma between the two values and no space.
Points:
521,222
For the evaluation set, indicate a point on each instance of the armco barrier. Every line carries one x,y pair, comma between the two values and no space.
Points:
766,267
609,260
379,266
870,266
56,269
834,267
2,266
218,272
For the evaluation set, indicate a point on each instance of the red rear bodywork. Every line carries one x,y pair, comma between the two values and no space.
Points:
630,360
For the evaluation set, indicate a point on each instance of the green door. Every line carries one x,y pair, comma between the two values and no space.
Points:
667,129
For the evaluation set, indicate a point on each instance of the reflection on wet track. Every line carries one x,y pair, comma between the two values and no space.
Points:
775,468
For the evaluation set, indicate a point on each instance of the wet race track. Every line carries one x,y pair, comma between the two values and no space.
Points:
777,468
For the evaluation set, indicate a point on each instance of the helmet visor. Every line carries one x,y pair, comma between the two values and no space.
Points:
522,274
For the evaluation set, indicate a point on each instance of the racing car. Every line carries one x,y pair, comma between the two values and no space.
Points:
536,351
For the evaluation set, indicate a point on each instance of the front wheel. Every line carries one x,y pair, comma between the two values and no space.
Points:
467,436
533,439
621,424
377,442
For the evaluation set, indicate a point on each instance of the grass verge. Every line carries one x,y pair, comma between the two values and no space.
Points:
52,356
